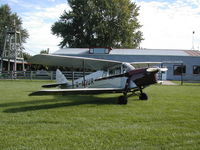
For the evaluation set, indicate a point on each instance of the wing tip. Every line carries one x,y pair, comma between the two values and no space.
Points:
33,94
38,93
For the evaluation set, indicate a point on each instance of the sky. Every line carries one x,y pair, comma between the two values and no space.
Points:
166,24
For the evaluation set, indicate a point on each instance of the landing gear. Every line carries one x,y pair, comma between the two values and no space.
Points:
122,100
143,96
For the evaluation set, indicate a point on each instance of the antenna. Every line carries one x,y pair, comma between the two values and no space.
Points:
193,40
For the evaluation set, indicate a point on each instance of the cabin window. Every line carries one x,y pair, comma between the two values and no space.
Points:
114,71
196,69
179,69
105,74
111,72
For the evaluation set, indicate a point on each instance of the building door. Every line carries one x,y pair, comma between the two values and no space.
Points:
164,75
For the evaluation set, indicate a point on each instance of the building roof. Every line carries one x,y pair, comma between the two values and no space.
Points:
17,61
157,52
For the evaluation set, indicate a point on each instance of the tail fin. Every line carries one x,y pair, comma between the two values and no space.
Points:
60,78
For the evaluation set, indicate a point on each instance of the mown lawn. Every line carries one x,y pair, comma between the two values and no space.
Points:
170,119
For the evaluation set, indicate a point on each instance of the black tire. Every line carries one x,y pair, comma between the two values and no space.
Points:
122,100
143,96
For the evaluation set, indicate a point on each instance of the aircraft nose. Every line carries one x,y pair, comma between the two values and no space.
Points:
136,72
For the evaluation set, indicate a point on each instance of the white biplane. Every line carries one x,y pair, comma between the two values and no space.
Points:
110,76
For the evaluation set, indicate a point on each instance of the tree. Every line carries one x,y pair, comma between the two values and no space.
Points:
44,51
7,23
103,23
26,56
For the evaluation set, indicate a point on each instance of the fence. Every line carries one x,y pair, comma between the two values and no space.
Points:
44,75
48,75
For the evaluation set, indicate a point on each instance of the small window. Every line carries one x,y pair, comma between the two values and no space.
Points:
91,50
106,51
196,69
99,50
179,69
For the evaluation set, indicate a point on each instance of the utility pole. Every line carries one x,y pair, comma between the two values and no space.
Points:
193,40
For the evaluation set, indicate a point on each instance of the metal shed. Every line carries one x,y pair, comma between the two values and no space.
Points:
181,64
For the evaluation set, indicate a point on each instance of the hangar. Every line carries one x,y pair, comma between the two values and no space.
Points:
181,64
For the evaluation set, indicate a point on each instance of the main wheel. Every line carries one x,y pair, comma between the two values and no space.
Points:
122,100
143,96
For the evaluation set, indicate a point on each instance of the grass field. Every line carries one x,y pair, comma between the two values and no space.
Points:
170,119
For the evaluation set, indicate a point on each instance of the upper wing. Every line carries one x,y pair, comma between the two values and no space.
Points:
76,91
73,62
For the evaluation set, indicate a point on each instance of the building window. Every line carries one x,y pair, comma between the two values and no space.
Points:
99,50
196,69
91,50
179,69
106,51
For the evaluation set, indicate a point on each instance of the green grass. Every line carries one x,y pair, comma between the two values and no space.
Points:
195,83
170,119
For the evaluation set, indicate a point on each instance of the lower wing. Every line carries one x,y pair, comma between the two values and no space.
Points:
76,91
54,85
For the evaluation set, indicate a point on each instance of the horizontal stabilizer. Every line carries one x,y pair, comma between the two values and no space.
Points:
76,91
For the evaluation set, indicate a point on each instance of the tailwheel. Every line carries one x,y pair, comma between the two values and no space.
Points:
122,100
143,96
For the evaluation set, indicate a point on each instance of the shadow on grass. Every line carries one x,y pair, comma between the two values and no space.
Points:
29,102
72,100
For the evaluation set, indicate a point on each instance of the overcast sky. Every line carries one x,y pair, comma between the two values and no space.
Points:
167,24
